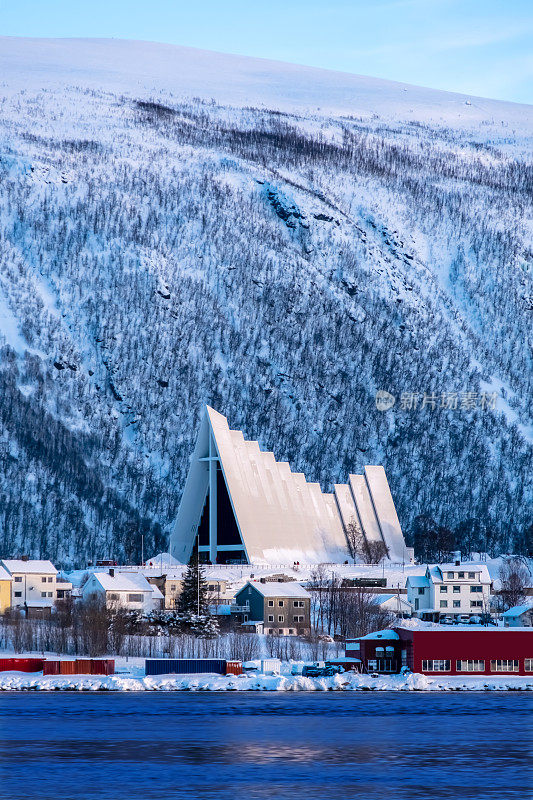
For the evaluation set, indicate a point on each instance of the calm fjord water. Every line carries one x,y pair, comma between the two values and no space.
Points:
155,746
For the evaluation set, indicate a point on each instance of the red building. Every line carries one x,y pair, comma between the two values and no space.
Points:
449,651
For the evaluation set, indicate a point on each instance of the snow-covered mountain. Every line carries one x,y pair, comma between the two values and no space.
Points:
180,227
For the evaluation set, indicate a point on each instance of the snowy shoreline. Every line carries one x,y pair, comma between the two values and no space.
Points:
16,681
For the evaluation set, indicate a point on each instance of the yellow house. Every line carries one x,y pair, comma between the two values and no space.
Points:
5,589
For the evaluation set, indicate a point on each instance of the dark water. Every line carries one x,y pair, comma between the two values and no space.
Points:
384,746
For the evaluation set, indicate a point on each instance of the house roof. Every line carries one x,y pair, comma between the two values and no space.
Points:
29,567
517,611
4,574
436,571
387,633
417,580
287,589
126,582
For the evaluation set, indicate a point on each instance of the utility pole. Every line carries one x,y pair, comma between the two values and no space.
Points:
142,549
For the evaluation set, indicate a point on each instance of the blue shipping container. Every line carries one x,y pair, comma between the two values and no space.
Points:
184,666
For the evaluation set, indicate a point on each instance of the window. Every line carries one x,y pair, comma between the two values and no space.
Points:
50,594
271,618
504,665
476,588
50,580
528,664
135,598
436,665
456,589
281,618
246,618
270,603
460,574
113,596
297,619
421,591
444,589
280,631
449,575
372,663
18,594
270,630
471,574
476,604
298,604
43,594
211,587
173,587
18,578
470,665
43,580
417,603
457,604
280,603
444,604
291,632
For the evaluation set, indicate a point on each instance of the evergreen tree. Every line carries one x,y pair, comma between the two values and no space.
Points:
193,597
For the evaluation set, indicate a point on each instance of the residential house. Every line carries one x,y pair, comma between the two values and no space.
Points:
33,587
126,590
395,604
519,616
450,590
5,589
284,609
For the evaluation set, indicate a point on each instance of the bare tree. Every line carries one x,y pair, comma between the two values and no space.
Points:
514,577
377,551
355,539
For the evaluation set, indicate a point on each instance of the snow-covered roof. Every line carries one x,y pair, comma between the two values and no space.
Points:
417,581
517,611
4,574
387,633
126,582
30,567
274,589
437,571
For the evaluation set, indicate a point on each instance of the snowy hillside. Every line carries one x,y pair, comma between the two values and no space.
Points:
180,227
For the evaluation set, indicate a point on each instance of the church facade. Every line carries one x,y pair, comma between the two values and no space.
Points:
240,505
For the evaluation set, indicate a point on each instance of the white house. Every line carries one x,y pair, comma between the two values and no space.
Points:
33,588
519,616
449,590
394,603
127,590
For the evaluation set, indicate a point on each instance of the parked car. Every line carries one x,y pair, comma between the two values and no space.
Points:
474,620
462,619
321,670
446,620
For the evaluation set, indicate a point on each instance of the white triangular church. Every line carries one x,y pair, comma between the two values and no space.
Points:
240,505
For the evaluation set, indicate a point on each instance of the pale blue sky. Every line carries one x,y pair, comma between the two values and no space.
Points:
481,47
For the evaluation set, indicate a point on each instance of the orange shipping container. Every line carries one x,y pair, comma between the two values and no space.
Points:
233,667
67,667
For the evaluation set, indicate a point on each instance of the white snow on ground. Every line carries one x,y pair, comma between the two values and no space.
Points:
131,67
349,681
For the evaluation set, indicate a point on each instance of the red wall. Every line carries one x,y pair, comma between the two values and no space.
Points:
486,644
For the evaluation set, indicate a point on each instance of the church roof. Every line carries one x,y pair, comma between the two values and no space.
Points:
282,518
